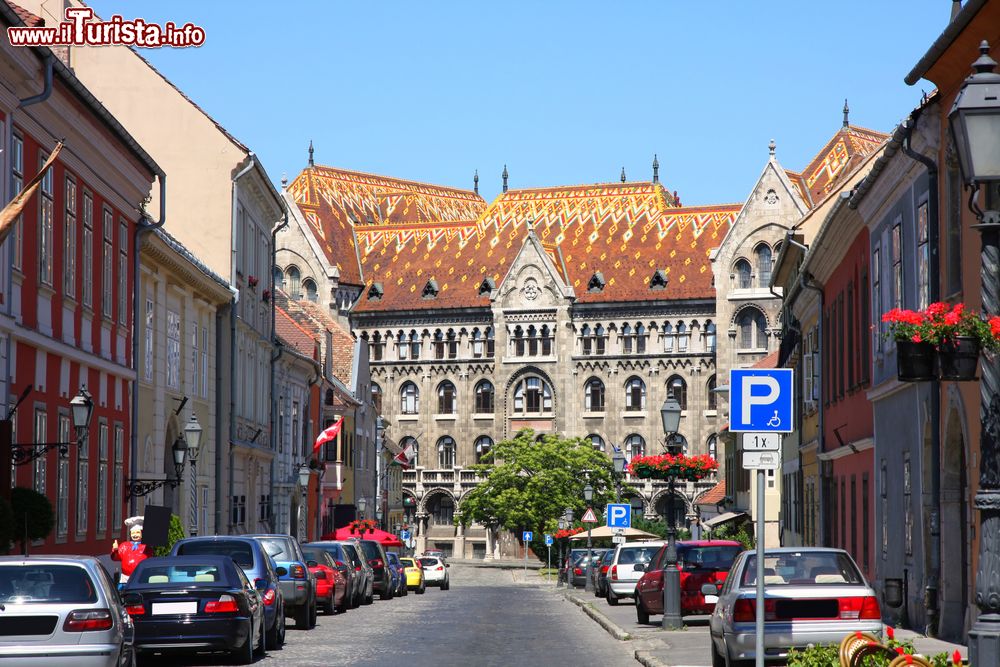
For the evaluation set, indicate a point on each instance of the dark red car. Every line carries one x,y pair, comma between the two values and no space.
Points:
331,586
700,562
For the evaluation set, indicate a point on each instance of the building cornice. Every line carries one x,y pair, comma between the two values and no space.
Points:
71,353
851,448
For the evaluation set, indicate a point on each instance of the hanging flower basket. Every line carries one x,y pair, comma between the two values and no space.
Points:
914,361
955,336
678,466
958,358
362,526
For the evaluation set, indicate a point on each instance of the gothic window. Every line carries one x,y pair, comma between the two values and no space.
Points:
763,265
452,344
484,445
710,337
713,447
310,288
376,347
532,341
743,271
593,398
279,278
410,442
484,397
446,452
532,396
586,344
490,347
546,341
442,511
414,345
600,339
668,337
477,343
438,345
597,442
677,387
635,395
409,399
713,400
377,398
518,341
402,346
635,445
753,329
294,284
640,339
682,337
447,399
627,339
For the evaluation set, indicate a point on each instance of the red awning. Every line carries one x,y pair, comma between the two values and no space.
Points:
384,538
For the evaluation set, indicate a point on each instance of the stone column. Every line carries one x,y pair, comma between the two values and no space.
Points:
490,542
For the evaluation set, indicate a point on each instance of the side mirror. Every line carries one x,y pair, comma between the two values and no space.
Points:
281,572
639,567
311,563
709,589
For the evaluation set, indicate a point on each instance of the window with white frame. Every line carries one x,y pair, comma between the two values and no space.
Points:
69,234
40,467
194,358
122,272
204,362
596,441
668,337
710,337
744,274
87,274
17,182
446,452
713,447
173,349
683,336
713,396
923,257
484,397
877,300
102,477
484,445
447,398
532,395
897,264
414,345
635,445
107,264
62,481
640,339
677,387
45,232
626,338
593,396
117,491
409,398
83,487
635,395
752,327
763,265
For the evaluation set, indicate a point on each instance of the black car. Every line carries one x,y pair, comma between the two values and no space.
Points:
600,573
195,604
375,555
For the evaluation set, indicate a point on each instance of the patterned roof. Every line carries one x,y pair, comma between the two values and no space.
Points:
627,231
335,201
845,150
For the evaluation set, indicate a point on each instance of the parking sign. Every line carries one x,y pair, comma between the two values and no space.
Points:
527,536
548,540
760,399
619,515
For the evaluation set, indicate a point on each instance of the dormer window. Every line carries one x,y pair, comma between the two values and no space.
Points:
431,289
659,280
487,286
375,292
596,283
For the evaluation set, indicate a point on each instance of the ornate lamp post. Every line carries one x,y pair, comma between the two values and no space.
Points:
362,504
619,462
975,128
192,435
304,473
670,414
588,495
81,409
563,525
138,487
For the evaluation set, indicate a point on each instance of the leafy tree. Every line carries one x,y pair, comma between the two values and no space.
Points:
34,517
529,483
174,533
737,531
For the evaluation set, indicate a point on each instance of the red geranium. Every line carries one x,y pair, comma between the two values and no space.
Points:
941,324
677,465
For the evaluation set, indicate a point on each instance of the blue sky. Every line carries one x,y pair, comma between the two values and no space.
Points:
561,92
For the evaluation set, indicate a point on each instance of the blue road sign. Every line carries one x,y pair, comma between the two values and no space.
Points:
619,515
548,540
404,535
527,536
760,400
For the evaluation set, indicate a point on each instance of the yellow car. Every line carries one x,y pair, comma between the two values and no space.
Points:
414,575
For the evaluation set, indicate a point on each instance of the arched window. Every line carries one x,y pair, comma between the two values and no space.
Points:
409,399
377,398
546,340
452,344
442,511
490,343
376,347
586,343
593,397
635,395
279,278
477,343
447,399
446,452
626,339
414,345
438,345
600,339
710,337
402,346
668,337
411,443
753,329
484,445
763,265
713,447
635,445
713,398
532,341
309,285
484,397
518,341
294,286
597,442
640,339
682,337
532,396
677,387
743,274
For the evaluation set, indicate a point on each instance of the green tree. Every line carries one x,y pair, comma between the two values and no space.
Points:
34,517
529,483
736,531
174,533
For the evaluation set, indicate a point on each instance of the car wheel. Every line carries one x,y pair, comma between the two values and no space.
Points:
260,649
370,597
422,589
344,605
641,615
302,617
328,607
274,638
313,613
244,654
446,585
127,658
717,660
612,600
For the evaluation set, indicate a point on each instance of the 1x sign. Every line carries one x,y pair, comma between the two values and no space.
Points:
761,442
761,460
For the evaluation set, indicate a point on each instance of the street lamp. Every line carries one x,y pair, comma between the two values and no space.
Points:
588,495
563,525
670,413
362,505
81,409
192,435
138,487
975,128
618,461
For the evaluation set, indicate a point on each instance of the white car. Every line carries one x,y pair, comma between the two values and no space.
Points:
435,572
622,575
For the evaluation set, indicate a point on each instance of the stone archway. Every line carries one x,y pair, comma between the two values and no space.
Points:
956,514
171,495
659,505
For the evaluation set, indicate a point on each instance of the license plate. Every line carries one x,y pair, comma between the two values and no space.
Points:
162,608
711,599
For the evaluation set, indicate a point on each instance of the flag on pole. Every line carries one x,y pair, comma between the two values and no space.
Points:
10,212
405,457
328,435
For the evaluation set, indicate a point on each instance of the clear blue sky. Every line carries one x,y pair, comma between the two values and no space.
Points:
562,92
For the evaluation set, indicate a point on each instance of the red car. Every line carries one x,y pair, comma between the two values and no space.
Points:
700,562
331,586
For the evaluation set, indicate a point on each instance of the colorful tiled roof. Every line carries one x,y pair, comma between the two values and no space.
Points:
770,361
845,150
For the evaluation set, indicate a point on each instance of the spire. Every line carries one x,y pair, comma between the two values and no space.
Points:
656,169
771,146
475,182
284,182
505,175
956,7
311,163
623,174
847,113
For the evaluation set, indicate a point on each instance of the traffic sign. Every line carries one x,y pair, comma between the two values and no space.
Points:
760,399
589,516
619,515
404,535
548,540
761,460
618,539
761,442
527,536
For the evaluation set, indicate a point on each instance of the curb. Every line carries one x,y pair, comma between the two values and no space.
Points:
649,660
612,628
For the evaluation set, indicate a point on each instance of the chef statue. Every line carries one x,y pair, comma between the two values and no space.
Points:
133,552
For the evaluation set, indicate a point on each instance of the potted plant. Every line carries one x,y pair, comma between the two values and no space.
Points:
679,466
915,356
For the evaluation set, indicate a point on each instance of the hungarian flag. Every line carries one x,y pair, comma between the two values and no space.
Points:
8,216
328,435
405,457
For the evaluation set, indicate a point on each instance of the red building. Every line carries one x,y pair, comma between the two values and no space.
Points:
67,289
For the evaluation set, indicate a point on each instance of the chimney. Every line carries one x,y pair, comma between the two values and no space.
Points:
956,7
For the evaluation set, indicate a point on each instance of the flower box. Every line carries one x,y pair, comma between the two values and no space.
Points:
958,359
678,466
915,362
942,341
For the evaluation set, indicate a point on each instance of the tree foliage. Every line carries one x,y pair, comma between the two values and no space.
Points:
174,533
34,517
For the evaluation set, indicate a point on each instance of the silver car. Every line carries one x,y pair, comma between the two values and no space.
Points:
61,610
811,596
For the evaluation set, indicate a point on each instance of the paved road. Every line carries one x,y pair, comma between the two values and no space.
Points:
484,620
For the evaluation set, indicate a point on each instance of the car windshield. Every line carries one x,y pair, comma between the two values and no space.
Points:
335,550
803,568
370,549
240,552
709,558
428,562
187,574
352,554
317,555
277,548
633,555
46,583
607,558
407,562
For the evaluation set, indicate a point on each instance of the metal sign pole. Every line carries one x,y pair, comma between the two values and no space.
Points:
759,612
548,565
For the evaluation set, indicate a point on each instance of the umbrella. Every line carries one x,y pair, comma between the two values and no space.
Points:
605,532
384,538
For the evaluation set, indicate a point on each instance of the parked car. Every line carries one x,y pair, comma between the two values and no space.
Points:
298,584
622,573
363,571
331,586
700,562
343,562
578,574
375,556
435,572
61,610
566,569
195,604
399,577
812,596
436,553
260,569
414,572
600,573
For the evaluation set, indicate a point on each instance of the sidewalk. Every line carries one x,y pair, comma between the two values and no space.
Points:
655,647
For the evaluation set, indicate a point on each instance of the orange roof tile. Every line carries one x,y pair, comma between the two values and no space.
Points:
713,496
770,361
313,318
841,153
30,20
293,334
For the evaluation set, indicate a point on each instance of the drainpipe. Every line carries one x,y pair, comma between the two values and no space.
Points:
275,345
934,269
220,314
46,90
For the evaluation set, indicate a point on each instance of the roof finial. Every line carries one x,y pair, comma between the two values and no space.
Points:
847,113
771,146
956,7
505,175
284,182
623,174
475,182
311,163
530,222
656,169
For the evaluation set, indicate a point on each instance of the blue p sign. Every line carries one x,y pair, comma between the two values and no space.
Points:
619,515
760,400
527,536
548,540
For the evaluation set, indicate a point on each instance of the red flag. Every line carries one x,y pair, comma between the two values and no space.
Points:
405,457
329,434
